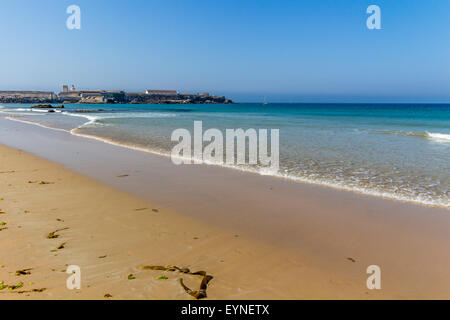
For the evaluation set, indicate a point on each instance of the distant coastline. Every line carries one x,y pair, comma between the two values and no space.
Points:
111,97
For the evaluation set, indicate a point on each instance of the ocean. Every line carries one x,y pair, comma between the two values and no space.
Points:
399,151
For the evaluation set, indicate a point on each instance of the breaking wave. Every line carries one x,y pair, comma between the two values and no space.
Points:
425,134
111,115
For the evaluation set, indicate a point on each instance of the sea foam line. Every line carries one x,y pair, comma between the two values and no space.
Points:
263,172
36,124
435,136
439,136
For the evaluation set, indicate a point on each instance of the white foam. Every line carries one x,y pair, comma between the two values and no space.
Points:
8,112
439,136
102,116
421,200
91,118
36,124
45,110
436,136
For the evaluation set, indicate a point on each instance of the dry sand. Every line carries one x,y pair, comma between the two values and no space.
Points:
111,233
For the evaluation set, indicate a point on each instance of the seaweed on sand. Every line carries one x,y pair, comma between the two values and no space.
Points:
61,246
54,235
198,294
11,287
38,290
44,182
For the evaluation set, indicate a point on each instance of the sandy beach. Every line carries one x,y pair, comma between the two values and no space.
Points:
224,159
110,234
259,237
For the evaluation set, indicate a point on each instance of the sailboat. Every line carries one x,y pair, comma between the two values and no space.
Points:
265,102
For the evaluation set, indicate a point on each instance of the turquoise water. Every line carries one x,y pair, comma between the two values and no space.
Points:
396,151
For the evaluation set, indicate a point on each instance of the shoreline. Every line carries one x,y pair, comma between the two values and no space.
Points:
123,233
274,239
109,243
326,184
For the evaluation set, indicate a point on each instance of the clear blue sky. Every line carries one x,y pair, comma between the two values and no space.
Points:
301,50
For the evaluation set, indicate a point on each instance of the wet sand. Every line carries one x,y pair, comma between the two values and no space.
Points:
260,237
